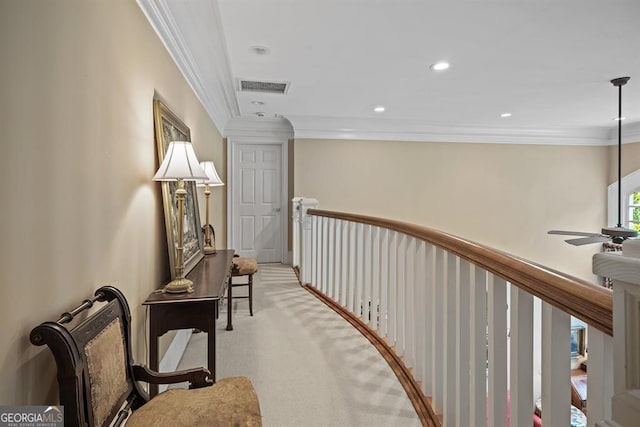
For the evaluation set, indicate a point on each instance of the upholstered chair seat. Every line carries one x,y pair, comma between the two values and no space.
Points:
229,402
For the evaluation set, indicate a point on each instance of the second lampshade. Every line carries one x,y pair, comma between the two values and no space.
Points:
213,180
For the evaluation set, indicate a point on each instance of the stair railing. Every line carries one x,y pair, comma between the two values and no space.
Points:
482,334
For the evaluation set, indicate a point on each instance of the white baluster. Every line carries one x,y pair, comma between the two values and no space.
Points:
331,240
600,378
428,328
337,272
463,340
359,268
315,254
420,309
392,332
521,356
351,283
556,366
410,304
344,273
375,279
478,344
366,266
384,283
437,385
325,255
497,308
400,294
450,332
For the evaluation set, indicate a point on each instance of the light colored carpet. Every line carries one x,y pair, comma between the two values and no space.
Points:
308,365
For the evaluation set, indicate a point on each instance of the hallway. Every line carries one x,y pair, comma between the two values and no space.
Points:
308,365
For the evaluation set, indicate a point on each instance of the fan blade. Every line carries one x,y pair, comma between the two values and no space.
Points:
587,240
573,233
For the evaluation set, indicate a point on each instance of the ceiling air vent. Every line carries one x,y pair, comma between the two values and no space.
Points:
263,87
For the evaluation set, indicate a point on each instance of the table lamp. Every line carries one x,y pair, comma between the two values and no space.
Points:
213,180
179,164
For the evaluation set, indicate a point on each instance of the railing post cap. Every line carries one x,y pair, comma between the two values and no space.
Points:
625,267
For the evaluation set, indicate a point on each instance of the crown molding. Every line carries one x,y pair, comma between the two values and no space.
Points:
630,133
207,71
248,127
410,130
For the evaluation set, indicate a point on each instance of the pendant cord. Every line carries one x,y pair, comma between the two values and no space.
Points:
619,155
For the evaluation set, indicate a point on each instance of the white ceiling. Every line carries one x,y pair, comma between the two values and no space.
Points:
548,63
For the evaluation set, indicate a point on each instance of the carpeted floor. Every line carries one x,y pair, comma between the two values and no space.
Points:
308,365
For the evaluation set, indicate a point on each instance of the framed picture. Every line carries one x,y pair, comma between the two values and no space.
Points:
577,341
168,127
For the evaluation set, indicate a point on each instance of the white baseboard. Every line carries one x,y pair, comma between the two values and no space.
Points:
172,357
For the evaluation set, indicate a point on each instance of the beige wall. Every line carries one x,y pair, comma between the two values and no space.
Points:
505,196
79,208
630,160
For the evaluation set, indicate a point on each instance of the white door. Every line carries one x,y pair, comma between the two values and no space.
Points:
256,199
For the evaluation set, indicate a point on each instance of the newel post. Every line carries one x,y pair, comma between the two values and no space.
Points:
305,238
625,273
296,213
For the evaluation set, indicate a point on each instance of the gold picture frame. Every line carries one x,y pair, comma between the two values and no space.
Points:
168,127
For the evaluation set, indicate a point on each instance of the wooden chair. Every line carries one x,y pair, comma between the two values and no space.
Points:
98,380
243,266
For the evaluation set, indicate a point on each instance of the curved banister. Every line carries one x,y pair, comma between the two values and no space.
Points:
586,301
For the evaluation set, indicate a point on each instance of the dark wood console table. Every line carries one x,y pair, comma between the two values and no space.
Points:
199,309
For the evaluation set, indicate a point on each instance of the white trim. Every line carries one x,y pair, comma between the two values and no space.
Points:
629,183
172,357
413,130
260,131
259,127
215,88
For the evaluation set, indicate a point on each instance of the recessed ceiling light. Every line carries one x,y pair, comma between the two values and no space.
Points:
619,118
505,115
440,66
379,109
260,50
257,102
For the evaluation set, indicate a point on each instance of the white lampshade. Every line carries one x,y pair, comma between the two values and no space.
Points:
180,162
210,169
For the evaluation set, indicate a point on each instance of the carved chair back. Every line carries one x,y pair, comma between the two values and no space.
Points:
94,361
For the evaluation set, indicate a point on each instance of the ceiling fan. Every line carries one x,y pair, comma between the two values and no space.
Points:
616,234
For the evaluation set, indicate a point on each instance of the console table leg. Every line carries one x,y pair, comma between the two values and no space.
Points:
229,304
153,359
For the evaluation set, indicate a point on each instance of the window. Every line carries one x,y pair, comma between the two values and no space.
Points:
633,213
630,203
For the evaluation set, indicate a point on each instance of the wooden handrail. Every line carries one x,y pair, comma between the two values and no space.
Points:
588,302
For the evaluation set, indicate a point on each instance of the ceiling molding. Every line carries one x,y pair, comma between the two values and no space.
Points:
630,133
214,87
277,127
407,130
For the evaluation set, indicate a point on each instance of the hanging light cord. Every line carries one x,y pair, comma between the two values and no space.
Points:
619,155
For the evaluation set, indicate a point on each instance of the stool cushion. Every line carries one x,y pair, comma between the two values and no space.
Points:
243,266
229,402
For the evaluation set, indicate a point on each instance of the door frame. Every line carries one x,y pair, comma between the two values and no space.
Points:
235,142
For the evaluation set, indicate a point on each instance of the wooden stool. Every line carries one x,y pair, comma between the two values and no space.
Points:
243,266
